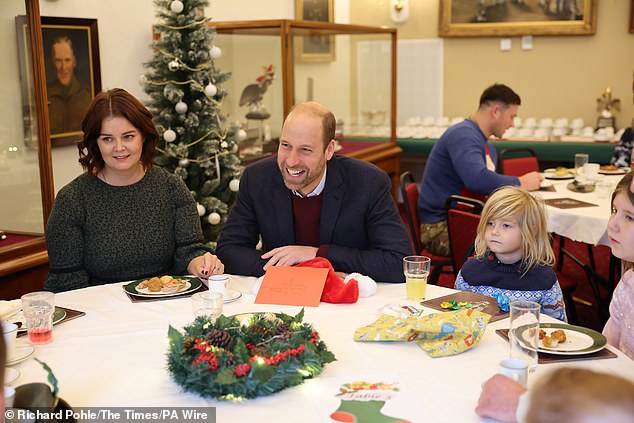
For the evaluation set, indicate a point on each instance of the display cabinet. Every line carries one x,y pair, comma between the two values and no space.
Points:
349,68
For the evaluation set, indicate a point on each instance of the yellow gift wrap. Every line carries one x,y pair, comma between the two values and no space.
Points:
440,334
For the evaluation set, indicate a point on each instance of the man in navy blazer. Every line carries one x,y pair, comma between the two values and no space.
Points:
307,202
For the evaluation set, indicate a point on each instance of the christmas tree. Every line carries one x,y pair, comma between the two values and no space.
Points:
186,92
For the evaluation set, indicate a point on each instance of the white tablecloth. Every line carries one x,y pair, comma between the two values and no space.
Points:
115,355
585,224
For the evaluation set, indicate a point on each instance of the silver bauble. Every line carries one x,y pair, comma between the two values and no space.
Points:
177,6
211,90
174,65
169,135
183,162
181,107
241,135
234,185
215,52
224,145
213,218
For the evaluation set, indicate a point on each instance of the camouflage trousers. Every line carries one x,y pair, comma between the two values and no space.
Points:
435,238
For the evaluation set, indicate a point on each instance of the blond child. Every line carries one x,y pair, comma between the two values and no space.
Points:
619,330
513,255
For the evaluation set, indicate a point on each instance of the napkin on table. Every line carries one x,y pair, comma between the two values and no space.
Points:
9,308
439,334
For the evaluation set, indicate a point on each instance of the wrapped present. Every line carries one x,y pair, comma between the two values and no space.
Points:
439,334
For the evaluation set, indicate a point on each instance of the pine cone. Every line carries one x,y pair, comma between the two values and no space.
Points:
265,332
219,338
282,332
188,343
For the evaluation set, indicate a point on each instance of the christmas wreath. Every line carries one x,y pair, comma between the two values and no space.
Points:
245,356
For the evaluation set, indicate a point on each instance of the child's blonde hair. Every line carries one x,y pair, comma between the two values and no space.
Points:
515,202
624,187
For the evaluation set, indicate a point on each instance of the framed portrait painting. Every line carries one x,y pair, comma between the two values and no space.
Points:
318,47
506,18
73,76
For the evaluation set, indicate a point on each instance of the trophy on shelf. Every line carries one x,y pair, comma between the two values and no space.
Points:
252,96
606,105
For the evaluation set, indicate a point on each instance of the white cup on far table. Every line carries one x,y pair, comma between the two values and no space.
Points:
515,369
10,332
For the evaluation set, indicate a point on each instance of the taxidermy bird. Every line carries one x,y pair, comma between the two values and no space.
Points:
253,93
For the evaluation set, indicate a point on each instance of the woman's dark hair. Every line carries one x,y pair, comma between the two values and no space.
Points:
115,103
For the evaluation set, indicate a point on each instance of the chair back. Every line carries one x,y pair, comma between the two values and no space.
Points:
409,192
463,217
517,161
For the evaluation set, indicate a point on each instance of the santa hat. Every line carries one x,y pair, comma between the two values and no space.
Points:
336,290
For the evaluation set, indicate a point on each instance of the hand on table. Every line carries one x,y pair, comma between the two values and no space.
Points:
289,255
499,399
205,266
531,181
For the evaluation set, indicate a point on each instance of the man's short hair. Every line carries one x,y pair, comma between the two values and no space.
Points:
500,93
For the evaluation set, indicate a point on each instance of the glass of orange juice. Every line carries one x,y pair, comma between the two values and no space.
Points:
416,269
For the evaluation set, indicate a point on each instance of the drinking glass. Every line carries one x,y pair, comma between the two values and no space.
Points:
207,303
416,269
524,332
38,308
580,160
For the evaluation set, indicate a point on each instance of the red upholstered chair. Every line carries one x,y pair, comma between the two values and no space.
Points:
409,192
463,216
517,161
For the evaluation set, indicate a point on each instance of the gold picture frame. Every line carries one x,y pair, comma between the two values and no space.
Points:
492,18
317,47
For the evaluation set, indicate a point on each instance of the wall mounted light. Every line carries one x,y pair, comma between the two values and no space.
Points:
399,10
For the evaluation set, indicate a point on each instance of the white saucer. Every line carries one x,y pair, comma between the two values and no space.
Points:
22,352
10,375
232,295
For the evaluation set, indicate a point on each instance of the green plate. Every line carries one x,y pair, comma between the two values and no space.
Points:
58,315
195,283
579,340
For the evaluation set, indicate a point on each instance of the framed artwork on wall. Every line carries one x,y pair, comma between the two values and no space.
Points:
315,48
505,18
73,75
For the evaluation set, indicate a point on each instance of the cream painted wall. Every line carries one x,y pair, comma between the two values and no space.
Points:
560,77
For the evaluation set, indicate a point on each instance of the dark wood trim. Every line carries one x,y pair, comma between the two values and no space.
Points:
41,111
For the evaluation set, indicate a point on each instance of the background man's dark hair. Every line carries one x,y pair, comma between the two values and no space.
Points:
500,93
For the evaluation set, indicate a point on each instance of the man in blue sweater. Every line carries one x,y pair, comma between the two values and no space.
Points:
462,159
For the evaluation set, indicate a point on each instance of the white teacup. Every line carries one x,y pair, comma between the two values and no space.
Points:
10,333
515,369
218,283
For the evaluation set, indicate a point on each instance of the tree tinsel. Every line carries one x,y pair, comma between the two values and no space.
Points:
267,352
185,88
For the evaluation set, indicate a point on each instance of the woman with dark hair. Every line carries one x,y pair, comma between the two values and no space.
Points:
123,219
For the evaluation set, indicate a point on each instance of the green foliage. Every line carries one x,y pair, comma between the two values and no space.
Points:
204,151
51,378
270,352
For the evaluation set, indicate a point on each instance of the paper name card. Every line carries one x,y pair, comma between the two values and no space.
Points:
300,286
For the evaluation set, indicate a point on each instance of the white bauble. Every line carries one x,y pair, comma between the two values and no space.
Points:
183,162
211,90
242,135
177,6
215,52
224,145
181,107
169,135
213,218
174,65
234,149
234,185
201,209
